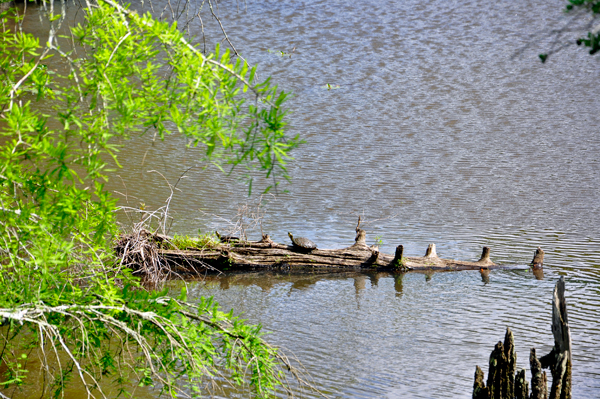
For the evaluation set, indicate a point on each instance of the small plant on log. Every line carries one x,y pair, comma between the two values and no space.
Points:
400,264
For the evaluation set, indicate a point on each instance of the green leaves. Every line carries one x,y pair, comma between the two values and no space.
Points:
592,5
593,38
592,41
61,280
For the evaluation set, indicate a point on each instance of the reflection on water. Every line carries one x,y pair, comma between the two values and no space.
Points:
538,273
420,335
485,275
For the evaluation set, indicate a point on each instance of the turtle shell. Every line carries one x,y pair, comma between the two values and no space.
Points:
302,242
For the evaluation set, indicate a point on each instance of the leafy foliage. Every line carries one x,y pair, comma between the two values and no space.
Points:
593,38
66,297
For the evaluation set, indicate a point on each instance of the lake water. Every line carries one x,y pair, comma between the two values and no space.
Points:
441,126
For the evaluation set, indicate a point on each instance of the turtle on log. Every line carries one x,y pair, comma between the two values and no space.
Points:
302,243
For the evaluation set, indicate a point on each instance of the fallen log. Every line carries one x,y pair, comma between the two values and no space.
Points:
257,255
155,256
504,383
267,254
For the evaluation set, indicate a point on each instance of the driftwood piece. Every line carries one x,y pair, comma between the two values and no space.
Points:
504,384
267,254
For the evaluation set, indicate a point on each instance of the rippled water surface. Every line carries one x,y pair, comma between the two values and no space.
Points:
441,125
413,335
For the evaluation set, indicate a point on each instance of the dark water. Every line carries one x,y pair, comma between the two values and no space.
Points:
441,126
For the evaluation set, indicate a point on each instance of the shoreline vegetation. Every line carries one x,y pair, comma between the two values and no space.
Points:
71,315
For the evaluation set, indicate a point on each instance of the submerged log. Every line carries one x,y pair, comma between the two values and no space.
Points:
502,381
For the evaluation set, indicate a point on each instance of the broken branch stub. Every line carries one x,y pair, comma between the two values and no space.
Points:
430,253
538,259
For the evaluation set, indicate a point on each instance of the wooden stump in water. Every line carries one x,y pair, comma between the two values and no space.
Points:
521,385
538,259
539,380
480,391
485,256
502,381
559,359
501,376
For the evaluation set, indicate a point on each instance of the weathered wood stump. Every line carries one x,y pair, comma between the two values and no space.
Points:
521,385
539,380
502,381
559,359
501,375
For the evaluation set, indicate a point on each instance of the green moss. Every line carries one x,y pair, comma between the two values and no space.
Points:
400,264
203,241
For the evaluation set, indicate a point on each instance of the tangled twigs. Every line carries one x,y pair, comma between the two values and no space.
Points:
176,332
249,218
139,251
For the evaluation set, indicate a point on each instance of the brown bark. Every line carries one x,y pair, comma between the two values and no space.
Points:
501,377
539,381
480,391
267,254
521,385
559,359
